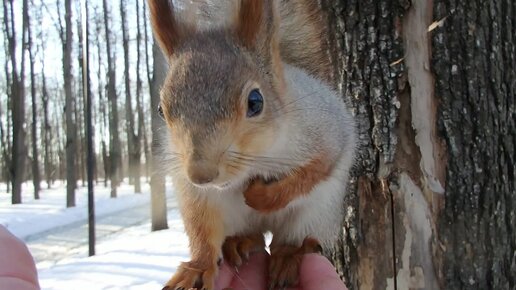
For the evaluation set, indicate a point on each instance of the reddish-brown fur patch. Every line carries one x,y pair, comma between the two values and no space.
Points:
204,227
268,197
164,25
249,21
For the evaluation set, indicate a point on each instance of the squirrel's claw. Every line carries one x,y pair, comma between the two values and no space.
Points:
286,261
188,277
236,250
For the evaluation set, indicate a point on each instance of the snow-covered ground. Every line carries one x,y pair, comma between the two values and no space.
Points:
36,216
132,258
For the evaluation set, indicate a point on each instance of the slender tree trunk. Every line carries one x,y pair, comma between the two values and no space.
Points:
17,96
80,106
148,154
5,134
102,106
139,105
34,126
158,196
132,139
114,144
46,131
71,134
431,83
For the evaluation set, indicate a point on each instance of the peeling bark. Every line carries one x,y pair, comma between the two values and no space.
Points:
436,115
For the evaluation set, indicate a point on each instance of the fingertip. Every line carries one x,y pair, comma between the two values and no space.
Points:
254,273
225,276
317,272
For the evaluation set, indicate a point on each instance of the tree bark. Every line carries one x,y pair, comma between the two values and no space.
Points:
17,97
139,106
474,61
158,196
132,138
34,126
47,129
71,134
432,202
114,144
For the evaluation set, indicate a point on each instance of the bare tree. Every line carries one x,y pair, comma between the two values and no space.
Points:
66,35
133,147
36,180
139,104
146,146
114,144
155,78
158,196
17,98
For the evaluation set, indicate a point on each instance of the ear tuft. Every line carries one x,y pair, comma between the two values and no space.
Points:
249,21
164,25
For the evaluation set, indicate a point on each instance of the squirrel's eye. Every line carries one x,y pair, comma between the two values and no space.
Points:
160,112
254,103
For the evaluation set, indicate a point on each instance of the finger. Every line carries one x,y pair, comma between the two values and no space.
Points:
317,272
17,269
252,275
226,273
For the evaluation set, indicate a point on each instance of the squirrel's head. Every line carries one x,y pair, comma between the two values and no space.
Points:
224,91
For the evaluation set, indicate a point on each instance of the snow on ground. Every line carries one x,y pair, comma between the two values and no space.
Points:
36,216
134,259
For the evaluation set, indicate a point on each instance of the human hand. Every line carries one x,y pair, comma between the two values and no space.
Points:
17,269
315,273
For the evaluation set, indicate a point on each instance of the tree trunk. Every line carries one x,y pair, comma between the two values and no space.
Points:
80,110
432,204
114,144
146,147
17,97
71,134
102,107
132,139
158,196
34,126
139,107
46,131
474,61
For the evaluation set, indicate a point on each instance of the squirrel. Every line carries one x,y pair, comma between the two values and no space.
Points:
258,139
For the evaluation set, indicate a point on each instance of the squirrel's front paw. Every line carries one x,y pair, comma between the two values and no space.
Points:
188,276
285,262
264,197
236,249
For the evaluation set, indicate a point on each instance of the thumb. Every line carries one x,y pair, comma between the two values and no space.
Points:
317,272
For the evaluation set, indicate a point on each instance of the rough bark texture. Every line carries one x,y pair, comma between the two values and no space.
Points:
433,202
365,38
474,61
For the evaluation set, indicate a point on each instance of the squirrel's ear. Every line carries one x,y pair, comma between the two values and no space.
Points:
256,24
164,24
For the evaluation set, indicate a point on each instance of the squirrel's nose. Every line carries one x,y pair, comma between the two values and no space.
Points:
201,172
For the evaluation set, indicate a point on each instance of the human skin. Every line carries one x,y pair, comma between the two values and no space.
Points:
17,268
315,273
